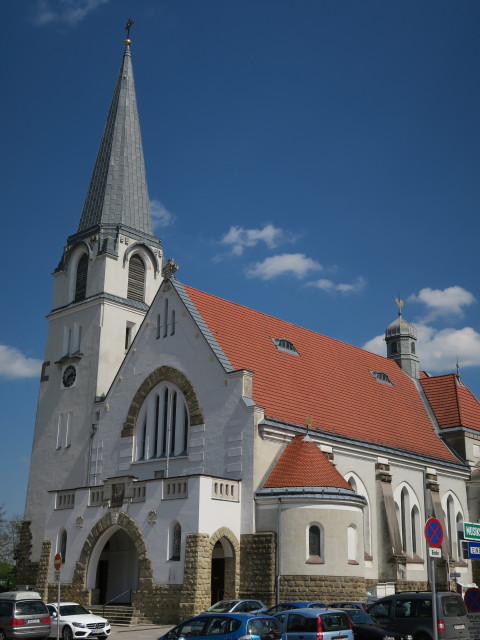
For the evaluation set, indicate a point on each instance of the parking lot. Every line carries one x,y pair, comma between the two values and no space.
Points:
138,632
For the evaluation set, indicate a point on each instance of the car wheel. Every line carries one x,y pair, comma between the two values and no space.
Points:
67,633
421,636
2,635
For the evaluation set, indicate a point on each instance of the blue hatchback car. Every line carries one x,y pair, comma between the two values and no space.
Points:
294,604
227,626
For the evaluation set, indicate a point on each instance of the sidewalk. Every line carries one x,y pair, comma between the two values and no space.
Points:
139,632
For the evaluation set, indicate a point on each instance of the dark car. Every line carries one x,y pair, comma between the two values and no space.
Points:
410,612
211,626
350,604
295,604
366,628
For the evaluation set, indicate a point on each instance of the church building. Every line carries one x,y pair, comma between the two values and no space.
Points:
188,448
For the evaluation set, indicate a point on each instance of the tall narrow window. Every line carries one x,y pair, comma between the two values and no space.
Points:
136,279
158,325
176,541
185,429
172,327
165,315
314,542
173,422
352,544
81,281
63,545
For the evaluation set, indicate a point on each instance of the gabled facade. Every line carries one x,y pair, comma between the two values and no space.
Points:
188,448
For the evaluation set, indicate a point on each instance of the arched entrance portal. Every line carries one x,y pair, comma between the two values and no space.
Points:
113,569
223,571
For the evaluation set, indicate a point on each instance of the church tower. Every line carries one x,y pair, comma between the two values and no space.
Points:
401,339
108,274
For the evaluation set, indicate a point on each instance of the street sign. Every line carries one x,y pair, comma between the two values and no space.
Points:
471,530
57,562
473,549
433,552
472,600
455,574
433,532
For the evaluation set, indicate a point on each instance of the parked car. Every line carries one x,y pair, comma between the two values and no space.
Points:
366,628
233,625
350,604
75,621
23,614
410,612
311,624
237,606
295,604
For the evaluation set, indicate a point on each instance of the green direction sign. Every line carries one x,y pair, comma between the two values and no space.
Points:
471,530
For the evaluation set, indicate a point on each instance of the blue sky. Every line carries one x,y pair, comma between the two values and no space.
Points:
311,159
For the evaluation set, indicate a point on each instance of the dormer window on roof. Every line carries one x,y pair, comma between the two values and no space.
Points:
381,377
285,345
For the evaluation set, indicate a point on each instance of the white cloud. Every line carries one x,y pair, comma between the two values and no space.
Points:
295,263
438,350
14,365
161,216
446,302
67,12
238,238
328,285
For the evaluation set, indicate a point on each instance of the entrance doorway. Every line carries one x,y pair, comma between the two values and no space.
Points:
113,569
223,571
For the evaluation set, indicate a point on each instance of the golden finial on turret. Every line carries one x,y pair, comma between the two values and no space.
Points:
127,29
400,304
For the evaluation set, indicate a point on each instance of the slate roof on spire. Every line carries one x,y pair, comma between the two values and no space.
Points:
118,193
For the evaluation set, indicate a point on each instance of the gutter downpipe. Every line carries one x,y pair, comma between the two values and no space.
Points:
279,511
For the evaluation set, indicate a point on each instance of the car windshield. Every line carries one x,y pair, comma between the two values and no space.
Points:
453,606
31,608
73,610
223,606
265,628
359,616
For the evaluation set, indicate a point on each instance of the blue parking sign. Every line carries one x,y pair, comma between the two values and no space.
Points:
474,549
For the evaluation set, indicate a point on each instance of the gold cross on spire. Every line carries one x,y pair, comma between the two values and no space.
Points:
128,27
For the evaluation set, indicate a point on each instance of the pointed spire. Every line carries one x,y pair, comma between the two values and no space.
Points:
118,193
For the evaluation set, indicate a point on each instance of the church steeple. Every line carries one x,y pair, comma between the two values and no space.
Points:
401,339
118,193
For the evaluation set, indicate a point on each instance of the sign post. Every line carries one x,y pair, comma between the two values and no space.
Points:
57,563
434,536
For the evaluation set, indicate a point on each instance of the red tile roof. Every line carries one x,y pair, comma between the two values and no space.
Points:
302,464
330,381
452,402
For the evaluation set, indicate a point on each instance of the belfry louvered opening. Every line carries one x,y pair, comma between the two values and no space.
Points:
81,281
136,279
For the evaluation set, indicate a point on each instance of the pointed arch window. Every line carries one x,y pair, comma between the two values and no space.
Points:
162,424
136,279
81,279
408,514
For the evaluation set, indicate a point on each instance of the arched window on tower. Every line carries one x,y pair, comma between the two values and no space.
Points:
136,279
81,279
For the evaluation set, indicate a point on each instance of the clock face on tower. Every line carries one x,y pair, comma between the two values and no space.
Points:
69,376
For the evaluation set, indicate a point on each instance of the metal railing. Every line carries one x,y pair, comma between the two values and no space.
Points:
115,598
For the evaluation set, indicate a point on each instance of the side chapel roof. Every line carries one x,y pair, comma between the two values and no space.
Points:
452,402
302,464
332,382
